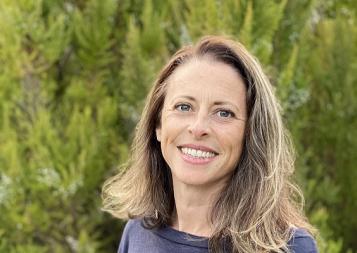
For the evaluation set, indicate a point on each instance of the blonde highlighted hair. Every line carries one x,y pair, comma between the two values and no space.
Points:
258,208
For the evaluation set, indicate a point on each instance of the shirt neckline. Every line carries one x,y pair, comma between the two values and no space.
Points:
181,237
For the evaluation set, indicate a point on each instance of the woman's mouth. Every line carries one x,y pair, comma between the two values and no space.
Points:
197,156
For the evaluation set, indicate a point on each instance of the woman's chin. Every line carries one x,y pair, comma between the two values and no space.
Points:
190,178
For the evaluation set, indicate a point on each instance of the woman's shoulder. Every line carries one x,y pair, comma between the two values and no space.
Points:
131,236
132,226
302,242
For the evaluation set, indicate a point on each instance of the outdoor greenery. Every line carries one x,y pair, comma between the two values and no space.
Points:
73,77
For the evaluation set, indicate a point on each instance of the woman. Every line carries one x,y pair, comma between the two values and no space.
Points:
211,161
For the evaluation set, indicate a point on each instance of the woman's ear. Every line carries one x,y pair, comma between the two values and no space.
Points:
158,133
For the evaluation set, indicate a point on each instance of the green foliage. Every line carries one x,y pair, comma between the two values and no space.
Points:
56,122
73,78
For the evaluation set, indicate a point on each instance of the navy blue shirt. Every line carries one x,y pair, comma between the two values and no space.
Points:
137,239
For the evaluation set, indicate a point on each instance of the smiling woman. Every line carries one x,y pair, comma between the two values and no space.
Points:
201,129
211,162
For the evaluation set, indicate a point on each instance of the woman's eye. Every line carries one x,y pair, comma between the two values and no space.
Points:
225,114
183,107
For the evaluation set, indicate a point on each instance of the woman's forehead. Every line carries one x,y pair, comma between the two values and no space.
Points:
206,78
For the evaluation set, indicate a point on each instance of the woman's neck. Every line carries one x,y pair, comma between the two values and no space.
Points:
193,220
193,209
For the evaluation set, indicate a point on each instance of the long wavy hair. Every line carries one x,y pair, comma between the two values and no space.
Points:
259,206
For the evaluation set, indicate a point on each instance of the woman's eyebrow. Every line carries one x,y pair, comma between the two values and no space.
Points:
185,96
215,103
226,103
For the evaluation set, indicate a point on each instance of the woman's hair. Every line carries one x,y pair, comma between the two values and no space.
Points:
258,208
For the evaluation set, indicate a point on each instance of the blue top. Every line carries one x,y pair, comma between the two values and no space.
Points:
137,239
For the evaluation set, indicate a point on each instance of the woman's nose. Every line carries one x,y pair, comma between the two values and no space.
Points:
199,126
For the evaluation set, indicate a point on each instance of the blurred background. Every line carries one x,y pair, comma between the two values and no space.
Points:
73,77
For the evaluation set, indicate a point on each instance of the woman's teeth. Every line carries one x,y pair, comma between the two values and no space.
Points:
197,153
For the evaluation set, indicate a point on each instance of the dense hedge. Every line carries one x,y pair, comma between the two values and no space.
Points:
73,76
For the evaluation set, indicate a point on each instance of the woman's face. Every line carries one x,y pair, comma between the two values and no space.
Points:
202,123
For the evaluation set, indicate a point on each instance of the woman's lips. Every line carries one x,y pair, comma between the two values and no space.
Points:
198,147
196,160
